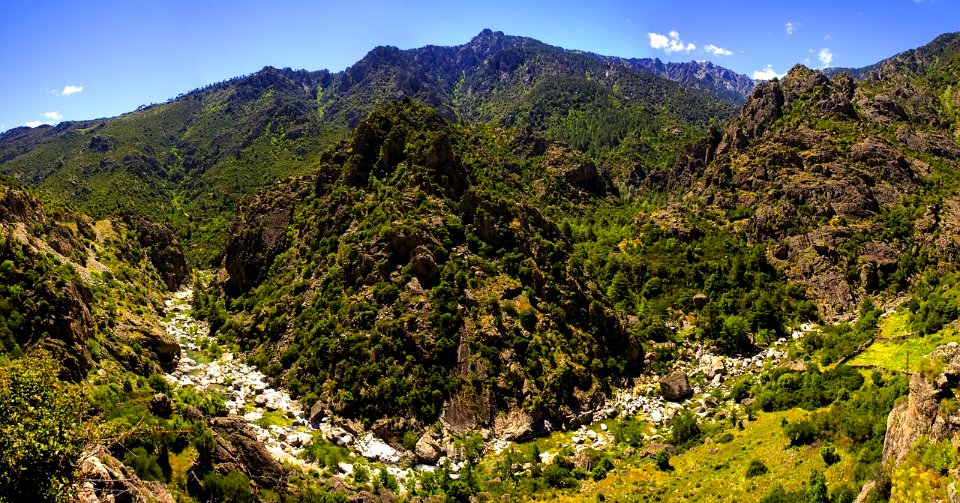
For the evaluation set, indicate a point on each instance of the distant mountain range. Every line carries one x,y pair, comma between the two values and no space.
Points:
189,161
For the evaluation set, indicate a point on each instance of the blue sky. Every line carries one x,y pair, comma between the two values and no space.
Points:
68,60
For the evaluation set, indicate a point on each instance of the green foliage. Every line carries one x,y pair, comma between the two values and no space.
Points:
43,429
776,494
144,463
802,432
329,455
662,460
817,488
233,487
829,454
755,469
684,429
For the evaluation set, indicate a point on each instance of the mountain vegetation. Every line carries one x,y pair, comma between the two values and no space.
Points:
189,161
550,274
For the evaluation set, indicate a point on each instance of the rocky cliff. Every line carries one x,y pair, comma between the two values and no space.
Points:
931,409
60,274
840,179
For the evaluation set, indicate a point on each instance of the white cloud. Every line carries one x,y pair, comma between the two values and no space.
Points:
717,51
55,116
825,57
671,44
38,123
68,90
767,73
791,27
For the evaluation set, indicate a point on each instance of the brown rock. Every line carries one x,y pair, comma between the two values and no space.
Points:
427,450
424,265
238,449
676,387
165,347
921,414
103,477
515,425
161,405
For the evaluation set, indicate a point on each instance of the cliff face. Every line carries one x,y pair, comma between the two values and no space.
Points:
931,410
65,279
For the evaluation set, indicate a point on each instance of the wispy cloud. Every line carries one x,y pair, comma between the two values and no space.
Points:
767,73
37,123
54,116
671,43
717,51
68,90
825,57
790,27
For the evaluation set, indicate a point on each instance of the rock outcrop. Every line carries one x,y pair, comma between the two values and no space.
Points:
102,478
163,247
259,233
931,409
238,449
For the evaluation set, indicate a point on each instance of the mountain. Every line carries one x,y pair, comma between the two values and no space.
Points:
189,161
702,75
435,287
851,184
937,54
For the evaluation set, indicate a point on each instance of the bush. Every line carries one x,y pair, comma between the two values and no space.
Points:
559,476
234,487
361,474
756,468
144,463
685,429
662,459
829,455
802,432
44,429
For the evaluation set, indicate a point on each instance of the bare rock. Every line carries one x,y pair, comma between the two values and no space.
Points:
161,405
424,265
102,477
516,425
165,346
921,415
427,450
676,387
238,449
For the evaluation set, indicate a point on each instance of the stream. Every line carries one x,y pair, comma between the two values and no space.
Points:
281,423
283,426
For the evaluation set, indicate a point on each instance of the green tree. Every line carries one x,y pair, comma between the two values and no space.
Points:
817,488
43,429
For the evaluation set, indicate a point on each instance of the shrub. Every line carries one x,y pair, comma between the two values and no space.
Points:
829,455
756,468
559,476
801,432
662,459
234,487
685,429
144,463
44,429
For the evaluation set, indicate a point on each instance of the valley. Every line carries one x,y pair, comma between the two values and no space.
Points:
500,270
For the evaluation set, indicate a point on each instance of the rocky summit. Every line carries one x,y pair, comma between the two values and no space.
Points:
500,270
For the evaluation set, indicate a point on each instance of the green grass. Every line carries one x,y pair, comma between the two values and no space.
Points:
894,355
716,472
274,418
896,325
